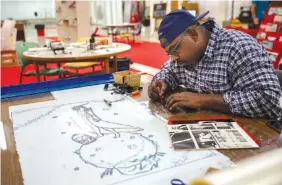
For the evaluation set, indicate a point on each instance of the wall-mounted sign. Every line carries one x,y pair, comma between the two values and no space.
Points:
159,10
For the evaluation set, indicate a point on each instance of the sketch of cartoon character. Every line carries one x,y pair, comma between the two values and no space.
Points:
101,126
130,154
127,152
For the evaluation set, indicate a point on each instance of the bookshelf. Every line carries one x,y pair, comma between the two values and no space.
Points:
72,20
270,34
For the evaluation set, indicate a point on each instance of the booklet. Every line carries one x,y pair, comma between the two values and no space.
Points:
209,134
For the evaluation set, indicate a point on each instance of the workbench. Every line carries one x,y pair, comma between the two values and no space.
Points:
38,92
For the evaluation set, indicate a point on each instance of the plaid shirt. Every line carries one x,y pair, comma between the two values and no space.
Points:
234,65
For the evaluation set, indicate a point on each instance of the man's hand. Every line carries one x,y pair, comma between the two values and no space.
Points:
157,89
196,101
256,21
184,99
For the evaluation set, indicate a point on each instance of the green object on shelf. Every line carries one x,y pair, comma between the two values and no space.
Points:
279,11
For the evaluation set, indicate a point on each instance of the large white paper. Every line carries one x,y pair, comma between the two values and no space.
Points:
81,93
89,142
26,107
88,92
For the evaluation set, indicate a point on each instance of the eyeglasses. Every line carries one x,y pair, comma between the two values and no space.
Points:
175,50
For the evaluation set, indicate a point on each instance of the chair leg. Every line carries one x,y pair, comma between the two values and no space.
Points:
76,70
44,77
93,68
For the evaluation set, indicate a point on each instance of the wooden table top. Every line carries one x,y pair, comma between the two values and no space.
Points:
74,54
10,166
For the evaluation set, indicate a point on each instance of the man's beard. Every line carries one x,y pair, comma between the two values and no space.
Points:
185,64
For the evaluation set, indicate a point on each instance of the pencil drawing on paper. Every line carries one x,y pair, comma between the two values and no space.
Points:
139,153
100,126
99,139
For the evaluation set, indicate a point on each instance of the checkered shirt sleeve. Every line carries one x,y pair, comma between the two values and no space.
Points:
256,89
168,74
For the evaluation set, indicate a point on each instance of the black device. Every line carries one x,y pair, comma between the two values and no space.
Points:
57,46
245,15
121,88
177,110
123,63
92,42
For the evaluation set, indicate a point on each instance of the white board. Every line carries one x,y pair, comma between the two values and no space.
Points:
89,143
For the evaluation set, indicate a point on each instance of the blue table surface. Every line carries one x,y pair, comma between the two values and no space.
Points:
54,85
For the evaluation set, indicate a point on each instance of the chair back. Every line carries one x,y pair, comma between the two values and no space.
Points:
83,39
21,47
138,29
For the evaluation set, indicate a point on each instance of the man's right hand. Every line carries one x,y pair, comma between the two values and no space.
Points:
256,21
157,89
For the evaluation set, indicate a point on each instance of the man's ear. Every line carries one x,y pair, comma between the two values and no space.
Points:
193,34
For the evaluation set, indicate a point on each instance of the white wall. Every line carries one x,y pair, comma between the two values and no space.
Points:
220,10
24,9
105,12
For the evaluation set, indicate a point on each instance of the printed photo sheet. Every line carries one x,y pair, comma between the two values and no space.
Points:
210,135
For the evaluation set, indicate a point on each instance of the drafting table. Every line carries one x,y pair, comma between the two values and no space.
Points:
39,92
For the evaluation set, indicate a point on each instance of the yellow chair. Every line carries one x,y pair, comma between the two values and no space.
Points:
124,36
83,65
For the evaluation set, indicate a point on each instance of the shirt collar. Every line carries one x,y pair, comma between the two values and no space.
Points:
214,29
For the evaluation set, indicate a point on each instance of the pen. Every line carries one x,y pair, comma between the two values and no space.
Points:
108,102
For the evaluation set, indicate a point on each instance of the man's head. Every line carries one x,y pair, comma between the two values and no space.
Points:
182,37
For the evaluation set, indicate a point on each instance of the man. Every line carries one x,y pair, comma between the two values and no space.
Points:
228,70
258,9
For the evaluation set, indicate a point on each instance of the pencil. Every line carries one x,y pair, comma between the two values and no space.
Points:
108,102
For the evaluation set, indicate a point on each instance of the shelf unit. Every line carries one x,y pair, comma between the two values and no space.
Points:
270,34
73,20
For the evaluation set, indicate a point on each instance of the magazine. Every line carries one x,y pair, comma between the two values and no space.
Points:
277,19
272,55
209,134
271,27
261,35
267,44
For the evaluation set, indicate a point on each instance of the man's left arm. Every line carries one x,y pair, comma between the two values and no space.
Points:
256,89
256,92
